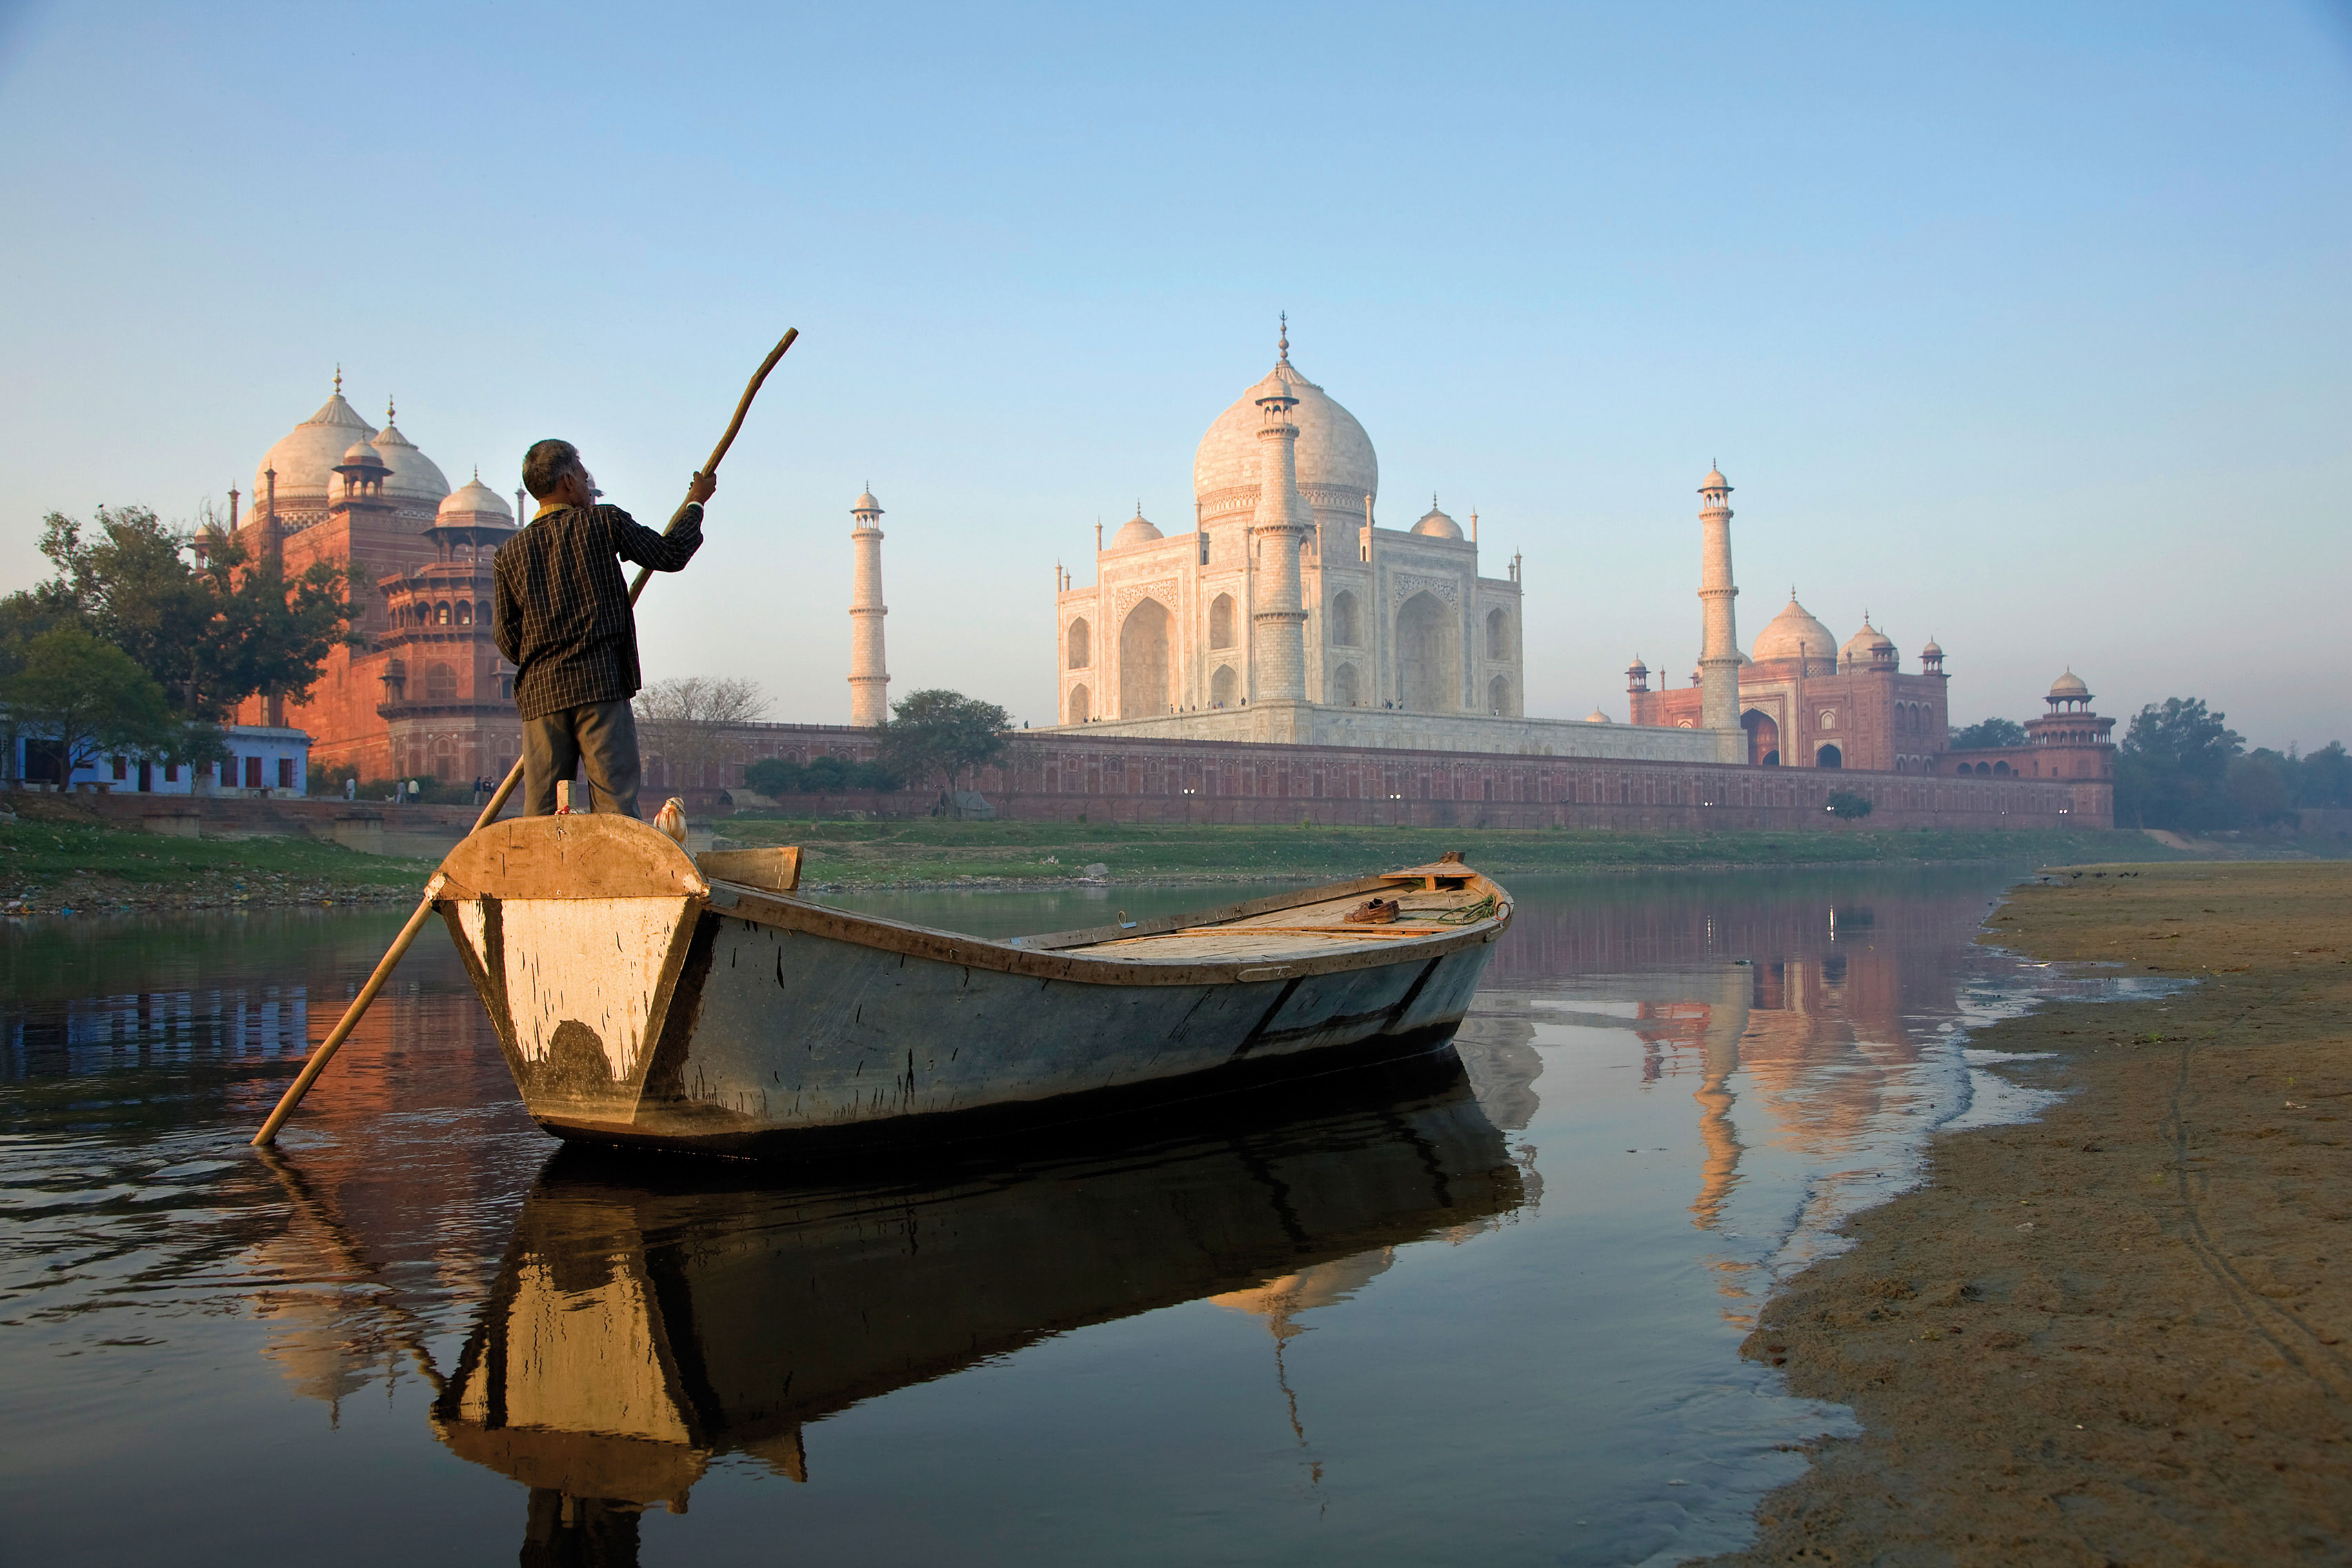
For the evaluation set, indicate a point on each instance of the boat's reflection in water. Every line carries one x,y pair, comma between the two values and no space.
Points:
651,1315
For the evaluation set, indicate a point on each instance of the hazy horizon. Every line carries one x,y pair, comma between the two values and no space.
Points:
2023,328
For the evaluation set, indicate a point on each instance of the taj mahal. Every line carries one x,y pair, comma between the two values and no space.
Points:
1288,615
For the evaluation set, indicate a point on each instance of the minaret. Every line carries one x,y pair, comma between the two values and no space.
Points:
1718,660
869,681
1278,621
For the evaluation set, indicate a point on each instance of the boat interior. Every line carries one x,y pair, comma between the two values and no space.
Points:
1419,901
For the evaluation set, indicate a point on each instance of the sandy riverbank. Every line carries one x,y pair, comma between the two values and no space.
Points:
2121,1333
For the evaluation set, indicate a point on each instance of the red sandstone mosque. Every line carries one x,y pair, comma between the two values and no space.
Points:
1807,701
427,694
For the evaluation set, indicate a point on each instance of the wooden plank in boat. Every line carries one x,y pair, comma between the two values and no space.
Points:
778,870
583,856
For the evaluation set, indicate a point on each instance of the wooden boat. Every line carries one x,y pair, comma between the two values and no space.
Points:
644,995
650,1319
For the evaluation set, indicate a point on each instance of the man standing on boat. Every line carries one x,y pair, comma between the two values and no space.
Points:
562,617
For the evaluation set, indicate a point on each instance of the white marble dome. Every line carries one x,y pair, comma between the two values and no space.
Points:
1137,530
304,457
1436,524
1792,631
2070,686
1335,456
414,476
474,502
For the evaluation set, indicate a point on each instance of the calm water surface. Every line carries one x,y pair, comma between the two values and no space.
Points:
1493,1319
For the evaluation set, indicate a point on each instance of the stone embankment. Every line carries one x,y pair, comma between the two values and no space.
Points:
2123,1331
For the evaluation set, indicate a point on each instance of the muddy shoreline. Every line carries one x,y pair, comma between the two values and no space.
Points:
2121,1333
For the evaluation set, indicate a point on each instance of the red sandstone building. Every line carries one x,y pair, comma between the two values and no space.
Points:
427,694
1805,703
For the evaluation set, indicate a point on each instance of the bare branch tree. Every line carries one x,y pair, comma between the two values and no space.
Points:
684,723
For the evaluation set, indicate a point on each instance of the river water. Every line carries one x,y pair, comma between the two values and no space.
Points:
1493,1319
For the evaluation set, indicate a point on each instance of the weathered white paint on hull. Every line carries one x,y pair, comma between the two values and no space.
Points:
597,962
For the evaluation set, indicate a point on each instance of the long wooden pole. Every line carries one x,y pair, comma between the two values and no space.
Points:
319,1059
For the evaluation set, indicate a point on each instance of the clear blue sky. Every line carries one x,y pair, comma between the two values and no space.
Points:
2024,327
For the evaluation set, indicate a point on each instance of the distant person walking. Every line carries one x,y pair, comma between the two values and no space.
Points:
561,617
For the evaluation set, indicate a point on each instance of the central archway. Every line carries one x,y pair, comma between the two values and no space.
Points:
1763,738
1143,663
1429,662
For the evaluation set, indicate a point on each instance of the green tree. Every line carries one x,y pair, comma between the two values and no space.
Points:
944,736
2172,770
1987,735
212,632
1848,806
24,616
2261,788
2324,778
91,700
823,776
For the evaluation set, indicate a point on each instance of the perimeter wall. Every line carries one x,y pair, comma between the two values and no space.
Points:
1056,777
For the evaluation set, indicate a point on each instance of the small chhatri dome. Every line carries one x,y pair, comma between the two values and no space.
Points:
360,455
1795,631
866,502
1931,650
1436,524
1714,481
1135,529
1598,716
474,502
2070,686
1867,641
1637,667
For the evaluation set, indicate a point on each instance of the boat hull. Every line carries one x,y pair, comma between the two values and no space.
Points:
733,1022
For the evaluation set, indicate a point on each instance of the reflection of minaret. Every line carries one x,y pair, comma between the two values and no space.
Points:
1718,660
1278,620
869,681
1727,1021
1278,1301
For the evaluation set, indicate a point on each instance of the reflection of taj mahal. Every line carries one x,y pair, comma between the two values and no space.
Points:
1286,614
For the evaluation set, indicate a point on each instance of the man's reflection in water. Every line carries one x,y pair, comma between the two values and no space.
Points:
652,1316
566,1531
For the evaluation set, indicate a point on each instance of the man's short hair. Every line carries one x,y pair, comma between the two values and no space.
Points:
544,465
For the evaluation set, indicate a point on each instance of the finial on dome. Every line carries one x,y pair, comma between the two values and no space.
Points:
389,410
338,378
1283,343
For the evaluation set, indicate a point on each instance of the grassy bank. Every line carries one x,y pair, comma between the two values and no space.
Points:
57,855
2117,1333
58,859
875,854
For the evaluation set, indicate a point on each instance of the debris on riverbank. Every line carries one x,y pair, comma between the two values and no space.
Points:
2120,1332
